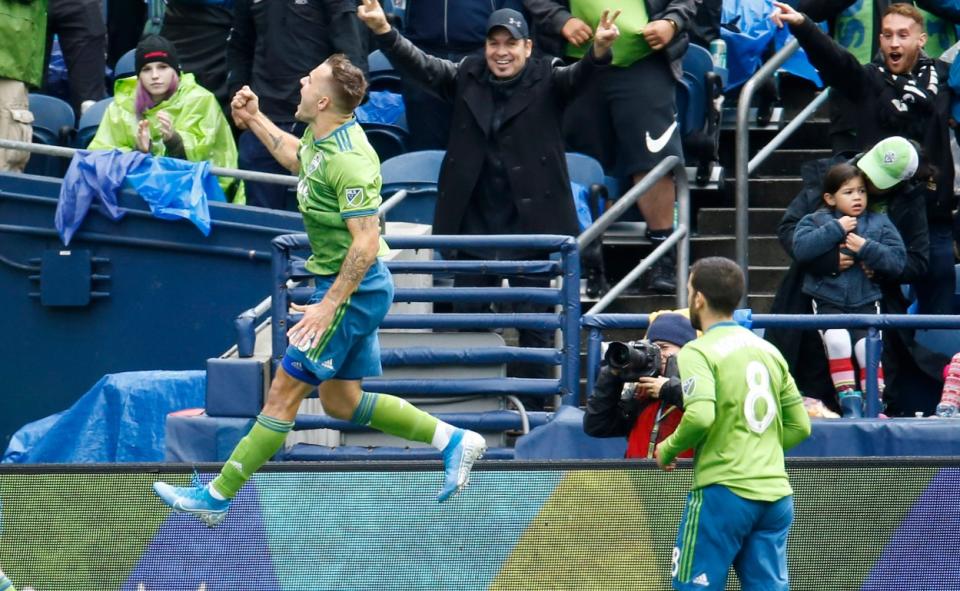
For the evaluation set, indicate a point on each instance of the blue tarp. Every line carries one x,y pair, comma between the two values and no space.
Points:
748,33
173,188
121,419
382,107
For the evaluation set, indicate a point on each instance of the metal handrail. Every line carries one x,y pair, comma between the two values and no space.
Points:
681,232
63,152
874,323
567,318
392,202
744,165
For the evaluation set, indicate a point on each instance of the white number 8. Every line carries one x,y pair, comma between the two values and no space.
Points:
758,382
675,562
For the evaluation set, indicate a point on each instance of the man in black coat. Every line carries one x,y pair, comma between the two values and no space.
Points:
905,95
505,167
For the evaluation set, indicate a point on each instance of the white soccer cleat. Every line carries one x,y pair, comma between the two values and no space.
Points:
464,448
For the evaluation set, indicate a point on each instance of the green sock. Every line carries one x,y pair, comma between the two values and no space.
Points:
5,584
264,439
395,416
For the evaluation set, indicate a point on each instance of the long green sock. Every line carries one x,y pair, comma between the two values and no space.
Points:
5,584
397,417
264,439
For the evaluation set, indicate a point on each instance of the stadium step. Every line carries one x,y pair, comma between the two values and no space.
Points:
722,220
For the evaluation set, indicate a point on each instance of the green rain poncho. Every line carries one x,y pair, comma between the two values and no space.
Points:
196,116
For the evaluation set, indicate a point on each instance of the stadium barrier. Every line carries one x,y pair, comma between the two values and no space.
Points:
858,524
596,324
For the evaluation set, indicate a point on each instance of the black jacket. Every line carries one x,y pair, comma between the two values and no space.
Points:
549,16
607,415
530,138
911,371
274,43
863,84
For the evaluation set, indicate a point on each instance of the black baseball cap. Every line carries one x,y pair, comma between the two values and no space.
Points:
511,20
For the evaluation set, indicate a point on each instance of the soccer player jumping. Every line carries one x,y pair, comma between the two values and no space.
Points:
335,344
742,411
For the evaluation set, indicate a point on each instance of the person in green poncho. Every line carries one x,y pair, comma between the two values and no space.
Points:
164,112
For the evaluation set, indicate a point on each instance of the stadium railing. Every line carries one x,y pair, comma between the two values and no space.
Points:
679,237
595,324
560,260
745,165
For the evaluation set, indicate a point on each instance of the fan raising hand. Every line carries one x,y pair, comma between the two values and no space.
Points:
372,15
607,32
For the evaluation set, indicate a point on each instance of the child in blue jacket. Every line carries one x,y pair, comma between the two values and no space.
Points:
869,243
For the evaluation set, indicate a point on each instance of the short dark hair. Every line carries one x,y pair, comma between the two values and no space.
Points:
720,281
840,174
349,85
907,10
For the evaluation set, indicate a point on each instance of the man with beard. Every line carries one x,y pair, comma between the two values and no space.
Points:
742,410
334,345
906,95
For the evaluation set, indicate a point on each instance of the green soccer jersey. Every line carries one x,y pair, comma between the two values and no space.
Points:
339,179
758,412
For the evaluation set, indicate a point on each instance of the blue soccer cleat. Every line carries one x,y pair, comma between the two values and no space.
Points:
464,448
195,499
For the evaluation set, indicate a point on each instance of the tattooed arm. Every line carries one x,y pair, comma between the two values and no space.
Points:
316,319
283,146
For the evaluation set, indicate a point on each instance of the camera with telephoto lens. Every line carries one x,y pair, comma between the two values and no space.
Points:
634,360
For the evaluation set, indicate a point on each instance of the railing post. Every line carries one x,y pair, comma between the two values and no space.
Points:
682,184
593,358
743,156
874,347
278,328
570,376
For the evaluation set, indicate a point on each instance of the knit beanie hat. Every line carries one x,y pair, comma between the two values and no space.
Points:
672,328
890,161
154,48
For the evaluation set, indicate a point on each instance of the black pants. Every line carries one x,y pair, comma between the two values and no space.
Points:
253,155
83,39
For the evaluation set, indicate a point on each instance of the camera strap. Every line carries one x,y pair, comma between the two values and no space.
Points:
662,411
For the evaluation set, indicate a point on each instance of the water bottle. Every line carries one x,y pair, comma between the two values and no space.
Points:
718,50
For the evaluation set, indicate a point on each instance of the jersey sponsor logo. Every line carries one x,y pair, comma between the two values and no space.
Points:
354,196
658,144
315,163
688,385
302,191
701,580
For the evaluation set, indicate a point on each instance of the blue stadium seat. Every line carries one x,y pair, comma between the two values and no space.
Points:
383,76
52,126
388,140
698,110
90,122
126,65
418,174
586,171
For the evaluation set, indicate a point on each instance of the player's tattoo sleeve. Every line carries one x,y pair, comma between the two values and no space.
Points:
361,254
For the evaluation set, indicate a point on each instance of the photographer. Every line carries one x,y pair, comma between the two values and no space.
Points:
648,409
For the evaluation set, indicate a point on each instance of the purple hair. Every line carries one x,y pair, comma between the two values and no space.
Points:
142,99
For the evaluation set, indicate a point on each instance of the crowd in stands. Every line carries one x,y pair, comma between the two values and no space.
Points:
507,87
